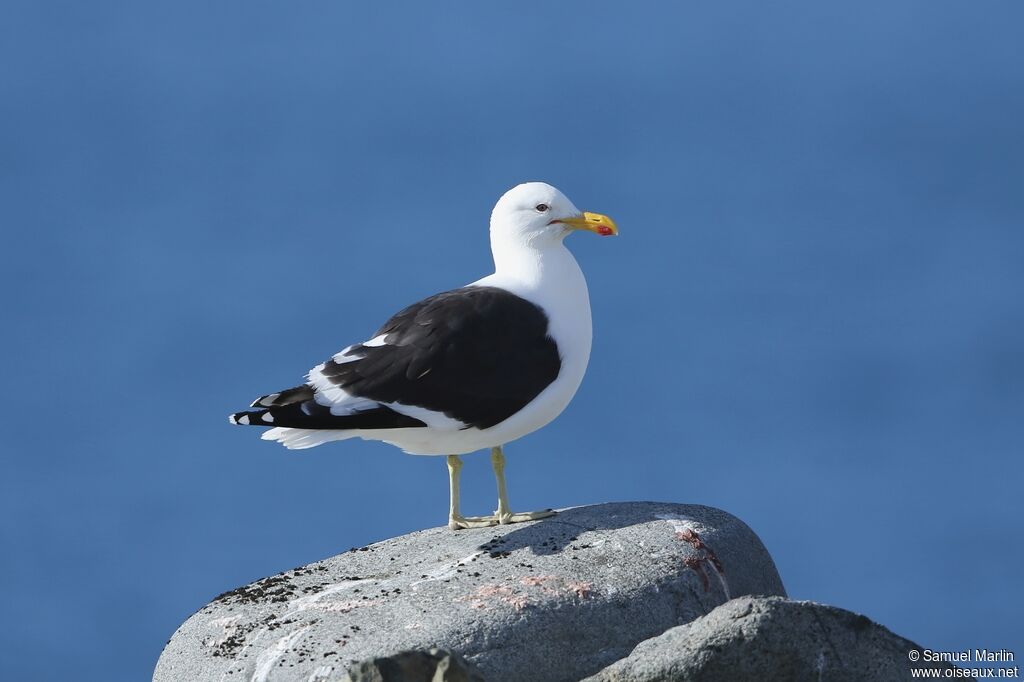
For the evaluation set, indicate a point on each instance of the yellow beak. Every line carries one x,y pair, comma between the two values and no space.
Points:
594,222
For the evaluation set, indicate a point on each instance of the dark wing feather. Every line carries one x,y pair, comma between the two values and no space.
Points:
476,354
312,415
286,397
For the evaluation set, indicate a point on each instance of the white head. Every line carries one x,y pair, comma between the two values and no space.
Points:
535,215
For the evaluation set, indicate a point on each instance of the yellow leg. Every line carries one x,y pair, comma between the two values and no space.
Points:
498,463
504,511
503,514
455,519
454,467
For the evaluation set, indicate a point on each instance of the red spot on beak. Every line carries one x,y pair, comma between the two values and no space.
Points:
604,230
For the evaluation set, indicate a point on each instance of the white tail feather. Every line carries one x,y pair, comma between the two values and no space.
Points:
300,439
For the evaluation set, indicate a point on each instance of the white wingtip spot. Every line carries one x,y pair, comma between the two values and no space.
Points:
269,418
266,401
244,419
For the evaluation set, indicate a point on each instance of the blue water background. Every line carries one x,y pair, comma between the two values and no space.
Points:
813,318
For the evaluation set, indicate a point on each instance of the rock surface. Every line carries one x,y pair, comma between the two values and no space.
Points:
556,599
769,638
435,665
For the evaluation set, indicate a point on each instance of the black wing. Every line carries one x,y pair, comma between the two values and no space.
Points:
476,354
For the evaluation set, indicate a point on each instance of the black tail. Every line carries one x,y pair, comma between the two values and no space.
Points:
310,414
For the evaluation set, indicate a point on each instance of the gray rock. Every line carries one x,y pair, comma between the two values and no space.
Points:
769,638
435,665
556,599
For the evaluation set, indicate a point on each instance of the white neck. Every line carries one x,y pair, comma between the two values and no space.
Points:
532,264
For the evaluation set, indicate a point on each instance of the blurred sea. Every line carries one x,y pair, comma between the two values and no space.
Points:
812,319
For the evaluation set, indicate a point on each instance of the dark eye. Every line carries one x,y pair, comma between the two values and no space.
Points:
542,207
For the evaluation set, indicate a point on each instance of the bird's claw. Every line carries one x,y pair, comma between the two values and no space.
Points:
518,517
498,518
461,522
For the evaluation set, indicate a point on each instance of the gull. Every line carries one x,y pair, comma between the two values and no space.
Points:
464,370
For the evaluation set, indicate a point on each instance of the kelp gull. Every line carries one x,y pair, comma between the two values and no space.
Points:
466,369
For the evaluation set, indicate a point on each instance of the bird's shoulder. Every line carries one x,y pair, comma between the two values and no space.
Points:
472,310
